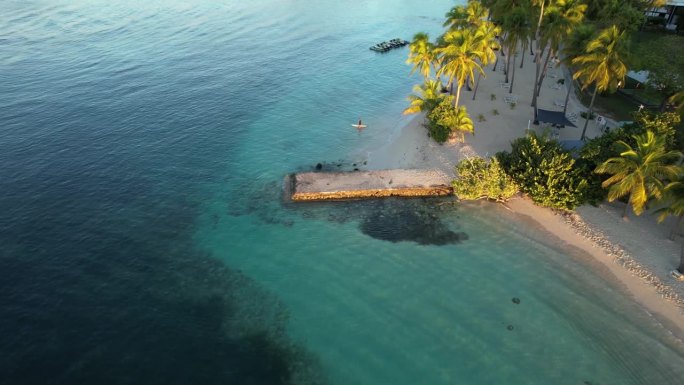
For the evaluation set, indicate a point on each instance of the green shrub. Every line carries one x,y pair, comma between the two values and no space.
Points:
492,97
545,172
513,104
439,133
446,120
584,115
495,112
481,118
481,179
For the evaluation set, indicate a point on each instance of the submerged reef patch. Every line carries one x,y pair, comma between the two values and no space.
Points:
112,300
414,221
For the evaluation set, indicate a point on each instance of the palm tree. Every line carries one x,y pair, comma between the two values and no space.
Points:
602,65
462,123
562,19
425,97
490,44
517,26
673,198
422,54
678,101
640,172
574,46
541,4
460,57
476,13
456,18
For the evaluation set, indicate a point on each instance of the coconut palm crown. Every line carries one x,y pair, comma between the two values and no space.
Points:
422,55
425,97
460,57
639,172
602,64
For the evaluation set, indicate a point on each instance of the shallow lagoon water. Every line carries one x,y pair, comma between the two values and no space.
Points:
144,238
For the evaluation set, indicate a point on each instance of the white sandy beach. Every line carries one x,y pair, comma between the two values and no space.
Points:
637,252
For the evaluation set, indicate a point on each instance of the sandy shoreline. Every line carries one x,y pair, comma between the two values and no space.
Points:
636,252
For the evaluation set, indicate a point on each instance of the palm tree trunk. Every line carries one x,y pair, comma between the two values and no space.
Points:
511,52
458,95
543,74
510,89
591,111
537,38
477,84
496,62
541,14
678,223
536,76
524,48
681,259
567,97
531,41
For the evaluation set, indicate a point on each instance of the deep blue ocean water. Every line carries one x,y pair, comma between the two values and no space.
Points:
144,239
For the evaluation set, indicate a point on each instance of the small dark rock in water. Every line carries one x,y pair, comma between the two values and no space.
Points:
319,166
339,165
356,169
354,164
516,300
509,327
364,162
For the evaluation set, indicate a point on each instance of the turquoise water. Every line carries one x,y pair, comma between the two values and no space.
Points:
145,239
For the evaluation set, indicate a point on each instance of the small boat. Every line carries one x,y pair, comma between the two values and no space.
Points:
388,45
359,125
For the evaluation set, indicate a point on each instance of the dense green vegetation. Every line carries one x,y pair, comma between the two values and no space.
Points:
638,163
478,178
545,172
640,171
446,122
459,54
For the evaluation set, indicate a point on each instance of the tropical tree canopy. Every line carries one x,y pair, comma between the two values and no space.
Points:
673,198
602,64
450,120
460,57
478,178
562,18
421,54
640,172
425,97
576,43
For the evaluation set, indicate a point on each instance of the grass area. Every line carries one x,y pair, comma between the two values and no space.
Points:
614,106
646,45
645,96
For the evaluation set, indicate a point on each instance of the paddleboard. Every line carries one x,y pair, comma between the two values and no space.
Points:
359,125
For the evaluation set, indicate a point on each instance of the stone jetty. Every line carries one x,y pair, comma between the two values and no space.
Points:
311,186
